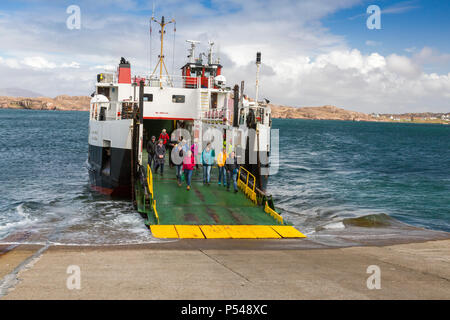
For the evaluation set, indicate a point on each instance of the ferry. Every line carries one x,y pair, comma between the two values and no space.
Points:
126,111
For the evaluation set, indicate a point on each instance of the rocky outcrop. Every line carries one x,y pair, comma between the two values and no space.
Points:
63,102
318,113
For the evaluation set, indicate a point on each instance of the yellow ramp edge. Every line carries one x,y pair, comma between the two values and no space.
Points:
189,232
240,232
215,232
224,232
288,232
164,231
264,232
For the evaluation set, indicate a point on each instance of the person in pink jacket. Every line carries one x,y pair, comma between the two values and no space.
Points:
188,168
194,149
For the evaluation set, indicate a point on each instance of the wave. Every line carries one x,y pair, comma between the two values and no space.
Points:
380,220
372,221
25,219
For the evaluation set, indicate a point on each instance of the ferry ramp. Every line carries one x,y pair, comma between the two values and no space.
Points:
206,211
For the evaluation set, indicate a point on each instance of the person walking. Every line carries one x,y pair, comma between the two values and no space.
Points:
188,168
177,158
170,145
151,144
160,153
221,159
194,149
164,136
207,162
232,168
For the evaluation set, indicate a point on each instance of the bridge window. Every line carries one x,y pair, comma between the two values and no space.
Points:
148,97
178,98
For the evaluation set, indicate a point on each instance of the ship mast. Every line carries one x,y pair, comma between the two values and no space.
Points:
258,64
161,63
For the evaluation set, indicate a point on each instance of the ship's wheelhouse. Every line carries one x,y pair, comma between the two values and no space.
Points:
191,72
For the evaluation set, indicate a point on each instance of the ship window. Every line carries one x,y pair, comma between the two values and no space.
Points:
148,97
178,99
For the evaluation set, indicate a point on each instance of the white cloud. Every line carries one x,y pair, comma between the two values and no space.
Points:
429,55
10,63
73,64
369,83
38,63
402,66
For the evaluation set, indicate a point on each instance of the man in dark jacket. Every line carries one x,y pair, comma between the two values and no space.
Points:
160,153
151,144
232,168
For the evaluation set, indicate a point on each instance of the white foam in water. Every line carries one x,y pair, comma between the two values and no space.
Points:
334,226
23,222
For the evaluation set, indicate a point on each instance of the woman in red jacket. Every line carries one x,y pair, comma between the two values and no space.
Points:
188,167
164,136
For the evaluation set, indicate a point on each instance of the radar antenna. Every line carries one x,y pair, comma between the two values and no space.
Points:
191,50
210,53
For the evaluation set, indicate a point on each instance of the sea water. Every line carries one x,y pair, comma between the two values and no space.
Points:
333,177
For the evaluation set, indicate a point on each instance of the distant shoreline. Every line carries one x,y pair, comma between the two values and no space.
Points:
327,112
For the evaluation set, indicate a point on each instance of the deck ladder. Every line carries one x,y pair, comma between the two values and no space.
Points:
204,102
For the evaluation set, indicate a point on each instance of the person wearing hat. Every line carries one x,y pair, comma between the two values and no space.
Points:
164,136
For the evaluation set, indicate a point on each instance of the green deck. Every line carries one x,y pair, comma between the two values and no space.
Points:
202,205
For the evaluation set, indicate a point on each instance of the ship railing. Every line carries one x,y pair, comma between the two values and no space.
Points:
247,183
103,111
273,213
175,81
115,110
218,115
151,194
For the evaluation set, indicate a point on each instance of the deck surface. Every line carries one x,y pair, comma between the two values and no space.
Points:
204,204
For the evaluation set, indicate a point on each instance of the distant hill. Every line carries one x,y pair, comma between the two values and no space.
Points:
16,92
318,113
63,102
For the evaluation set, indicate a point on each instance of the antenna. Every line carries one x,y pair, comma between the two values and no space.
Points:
191,50
161,63
210,53
151,38
258,64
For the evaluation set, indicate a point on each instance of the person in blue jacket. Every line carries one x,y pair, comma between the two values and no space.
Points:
208,156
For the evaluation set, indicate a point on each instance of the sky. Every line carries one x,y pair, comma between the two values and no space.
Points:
314,52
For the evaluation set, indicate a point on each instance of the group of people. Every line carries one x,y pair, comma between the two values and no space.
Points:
183,157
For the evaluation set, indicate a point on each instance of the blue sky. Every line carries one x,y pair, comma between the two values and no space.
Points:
315,52
412,24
